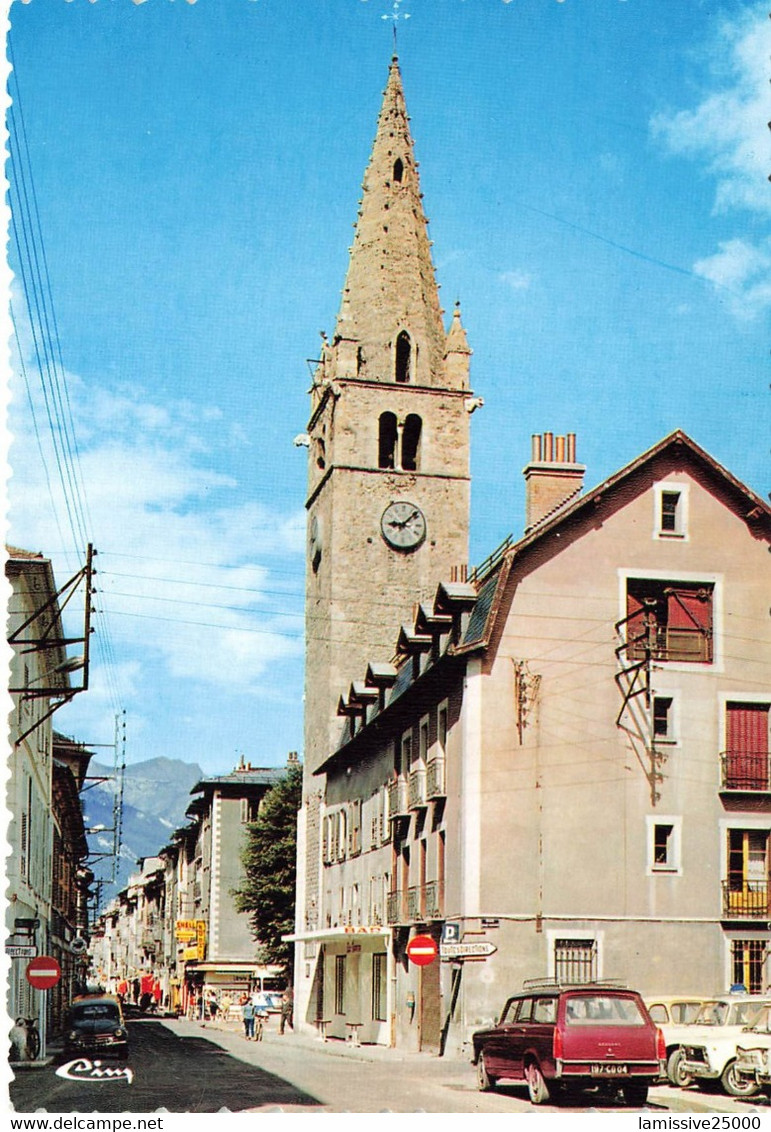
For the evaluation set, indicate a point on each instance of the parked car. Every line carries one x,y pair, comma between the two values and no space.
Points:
709,1048
753,1050
673,1014
267,1002
557,1038
95,1024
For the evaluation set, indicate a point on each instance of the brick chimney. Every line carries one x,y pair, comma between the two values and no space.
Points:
552,476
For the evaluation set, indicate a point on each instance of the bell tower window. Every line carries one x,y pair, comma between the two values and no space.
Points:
398,170
411,442
403,358
387,441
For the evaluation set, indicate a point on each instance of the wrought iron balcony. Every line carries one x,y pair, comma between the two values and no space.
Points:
435,784
745,900
417,787
395,907
433,900
742,770
397,798
415,903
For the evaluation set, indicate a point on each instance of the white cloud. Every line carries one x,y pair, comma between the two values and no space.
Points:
207,598
728,127
744,270
727,130
516,280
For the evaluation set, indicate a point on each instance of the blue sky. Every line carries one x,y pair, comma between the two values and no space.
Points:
594,172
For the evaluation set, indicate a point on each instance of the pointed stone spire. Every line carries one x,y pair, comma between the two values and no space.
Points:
390,322
457,353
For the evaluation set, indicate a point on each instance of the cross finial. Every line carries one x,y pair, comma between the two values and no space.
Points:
395,15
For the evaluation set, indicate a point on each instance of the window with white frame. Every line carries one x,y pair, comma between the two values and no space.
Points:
663,835
671,506
664,719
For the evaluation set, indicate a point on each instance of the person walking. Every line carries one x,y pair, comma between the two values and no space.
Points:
247,1013
287,1010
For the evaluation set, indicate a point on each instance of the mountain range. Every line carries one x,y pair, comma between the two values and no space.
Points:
156,794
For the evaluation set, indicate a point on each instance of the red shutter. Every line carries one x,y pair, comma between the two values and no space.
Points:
689,624
747,746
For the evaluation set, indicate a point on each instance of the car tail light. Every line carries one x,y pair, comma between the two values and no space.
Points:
661,1046
557,1044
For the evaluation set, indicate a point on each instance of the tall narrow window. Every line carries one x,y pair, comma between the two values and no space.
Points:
403,358
387,441
575,960
670,503
747,883
398,170
413,427
379,985
339,984
746,757
662,718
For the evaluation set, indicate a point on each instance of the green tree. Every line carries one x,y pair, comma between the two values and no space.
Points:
267,891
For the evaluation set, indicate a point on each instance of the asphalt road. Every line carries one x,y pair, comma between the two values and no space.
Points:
181,1066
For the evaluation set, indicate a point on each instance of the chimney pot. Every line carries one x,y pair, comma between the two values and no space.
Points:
535,450
560,452
552,477
548,446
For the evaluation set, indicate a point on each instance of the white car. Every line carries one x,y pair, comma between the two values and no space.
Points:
753,1050
674,1014
709,1047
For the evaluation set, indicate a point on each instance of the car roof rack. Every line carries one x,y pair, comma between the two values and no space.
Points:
557,984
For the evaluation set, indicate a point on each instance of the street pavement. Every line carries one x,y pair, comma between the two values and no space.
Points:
184,1066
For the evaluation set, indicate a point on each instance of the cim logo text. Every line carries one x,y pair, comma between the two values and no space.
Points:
83,1069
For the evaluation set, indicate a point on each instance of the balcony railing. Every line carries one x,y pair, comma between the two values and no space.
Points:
683,644
417,787
435,785
745,900
433,900
397,798
414,903
394,907
741,770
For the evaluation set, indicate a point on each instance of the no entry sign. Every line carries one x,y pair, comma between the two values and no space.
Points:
422,950
43,972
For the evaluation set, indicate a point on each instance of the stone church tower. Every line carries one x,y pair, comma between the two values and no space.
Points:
388,478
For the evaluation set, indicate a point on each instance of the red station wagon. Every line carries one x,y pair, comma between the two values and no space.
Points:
557,1038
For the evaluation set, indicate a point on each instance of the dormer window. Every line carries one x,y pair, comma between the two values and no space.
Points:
398,170
403,367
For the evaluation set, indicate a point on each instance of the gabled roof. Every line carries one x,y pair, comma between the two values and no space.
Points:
677,445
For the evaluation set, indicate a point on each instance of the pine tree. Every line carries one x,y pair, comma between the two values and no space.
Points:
267,892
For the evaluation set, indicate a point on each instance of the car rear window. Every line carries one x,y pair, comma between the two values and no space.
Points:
603,1010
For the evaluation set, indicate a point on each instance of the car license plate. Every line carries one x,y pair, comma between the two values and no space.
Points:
611,1069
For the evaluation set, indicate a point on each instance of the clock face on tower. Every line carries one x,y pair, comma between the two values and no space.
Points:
403,525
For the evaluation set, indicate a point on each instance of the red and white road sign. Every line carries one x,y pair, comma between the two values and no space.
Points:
422,950
43,972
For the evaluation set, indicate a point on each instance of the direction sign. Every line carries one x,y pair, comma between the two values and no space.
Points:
21,950
43,972
467,950
422,950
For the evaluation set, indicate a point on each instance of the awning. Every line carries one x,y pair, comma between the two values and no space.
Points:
318,935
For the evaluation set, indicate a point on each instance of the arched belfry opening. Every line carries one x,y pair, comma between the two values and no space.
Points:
413,426
387,432
403,362
398,170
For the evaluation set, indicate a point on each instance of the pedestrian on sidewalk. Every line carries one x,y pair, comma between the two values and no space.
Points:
287,1010
247,1013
